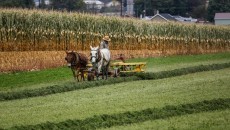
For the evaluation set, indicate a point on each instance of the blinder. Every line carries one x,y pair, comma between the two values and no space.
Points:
72,61
96,56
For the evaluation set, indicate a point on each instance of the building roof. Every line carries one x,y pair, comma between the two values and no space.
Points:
165,16
168,16
222,16
47,2
97,2
185,19
147,17
113,3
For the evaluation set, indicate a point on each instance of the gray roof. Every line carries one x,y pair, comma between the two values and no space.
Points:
222,16
165,16
168,16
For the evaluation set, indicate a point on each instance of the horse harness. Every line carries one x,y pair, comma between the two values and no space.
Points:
98,56
74,63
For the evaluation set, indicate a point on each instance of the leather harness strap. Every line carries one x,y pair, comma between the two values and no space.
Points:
73,63
76,62
99,56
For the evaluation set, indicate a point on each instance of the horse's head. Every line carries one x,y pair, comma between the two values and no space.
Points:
70,58
94,54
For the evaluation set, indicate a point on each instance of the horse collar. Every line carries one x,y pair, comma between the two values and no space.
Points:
73,63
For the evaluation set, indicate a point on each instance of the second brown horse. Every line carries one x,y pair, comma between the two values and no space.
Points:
77,62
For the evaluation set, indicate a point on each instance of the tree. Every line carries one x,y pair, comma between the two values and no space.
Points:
217,6
163,6
174,7
69,5
140,6
125,3
195,8
17,3
42,4
29,3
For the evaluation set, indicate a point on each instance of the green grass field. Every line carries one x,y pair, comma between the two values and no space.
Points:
123,97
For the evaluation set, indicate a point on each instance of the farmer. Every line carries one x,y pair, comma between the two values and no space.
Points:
105,42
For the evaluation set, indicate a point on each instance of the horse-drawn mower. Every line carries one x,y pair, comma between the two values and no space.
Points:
78,64
116,68
129,67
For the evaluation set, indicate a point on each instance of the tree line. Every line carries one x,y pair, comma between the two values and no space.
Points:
203,9
17,3
193,8
69,5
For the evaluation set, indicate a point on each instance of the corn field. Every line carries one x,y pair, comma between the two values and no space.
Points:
36,30
37,38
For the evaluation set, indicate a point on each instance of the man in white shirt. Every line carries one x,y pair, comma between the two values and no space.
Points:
105,42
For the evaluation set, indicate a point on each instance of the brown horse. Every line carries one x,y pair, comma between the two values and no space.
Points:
77,62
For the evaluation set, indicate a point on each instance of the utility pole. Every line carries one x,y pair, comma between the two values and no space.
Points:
121,7
39,4
144,11
206,4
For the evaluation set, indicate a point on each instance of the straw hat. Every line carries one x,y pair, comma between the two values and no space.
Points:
106,38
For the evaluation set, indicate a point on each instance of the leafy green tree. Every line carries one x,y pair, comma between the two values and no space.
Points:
195,8
29,3
217,6
17,3
138,7
174,7
69,5
164,6
42,4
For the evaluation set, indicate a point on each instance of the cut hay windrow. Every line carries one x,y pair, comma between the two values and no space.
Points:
30,30
71,86
105,121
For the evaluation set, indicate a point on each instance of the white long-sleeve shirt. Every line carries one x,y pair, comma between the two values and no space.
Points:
104,44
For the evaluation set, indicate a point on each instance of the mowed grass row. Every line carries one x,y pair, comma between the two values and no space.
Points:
133,117
166,63
214,120
57,76
117,98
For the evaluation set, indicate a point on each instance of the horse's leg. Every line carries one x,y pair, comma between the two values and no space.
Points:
106,72
82,74
98,72
107,69
77,75
103,72
74,75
